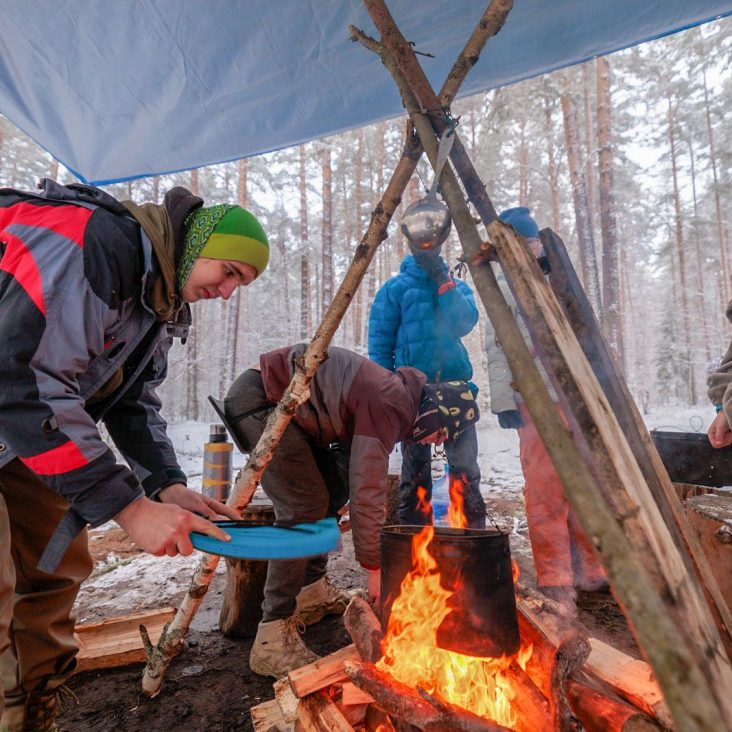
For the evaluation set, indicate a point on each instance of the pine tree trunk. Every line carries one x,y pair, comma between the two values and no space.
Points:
721,232
700,299
194,182
52,173
523,161
326,286
608,226
681,257
585,238
589,137
156,189
552,165
357,201
306,324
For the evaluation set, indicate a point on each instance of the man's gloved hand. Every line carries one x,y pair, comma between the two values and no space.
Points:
510,419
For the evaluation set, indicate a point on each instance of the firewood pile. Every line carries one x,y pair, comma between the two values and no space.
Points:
570,682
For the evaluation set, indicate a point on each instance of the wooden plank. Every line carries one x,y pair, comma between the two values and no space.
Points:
317,713
116,641
321,673
267,717
631,678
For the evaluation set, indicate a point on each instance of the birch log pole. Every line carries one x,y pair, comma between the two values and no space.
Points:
671,620
173,638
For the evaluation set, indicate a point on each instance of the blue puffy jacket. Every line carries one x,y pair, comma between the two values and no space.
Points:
411,325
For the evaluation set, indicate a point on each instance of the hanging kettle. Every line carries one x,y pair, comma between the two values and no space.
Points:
426,223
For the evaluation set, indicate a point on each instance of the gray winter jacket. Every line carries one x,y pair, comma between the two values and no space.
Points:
503,396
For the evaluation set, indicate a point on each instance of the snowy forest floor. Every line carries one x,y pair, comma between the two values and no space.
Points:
210,685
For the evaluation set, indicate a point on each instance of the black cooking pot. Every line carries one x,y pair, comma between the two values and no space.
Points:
475,564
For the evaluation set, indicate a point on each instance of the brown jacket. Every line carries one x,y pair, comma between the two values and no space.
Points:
365,408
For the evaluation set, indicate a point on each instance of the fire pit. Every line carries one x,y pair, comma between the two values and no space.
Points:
473,567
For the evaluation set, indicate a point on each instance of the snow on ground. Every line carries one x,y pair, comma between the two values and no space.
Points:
135,583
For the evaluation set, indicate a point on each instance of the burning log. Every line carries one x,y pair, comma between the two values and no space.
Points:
559,649
364,628
599,712
417,708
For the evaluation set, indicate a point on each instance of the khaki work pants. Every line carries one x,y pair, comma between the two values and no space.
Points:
36,626
563,554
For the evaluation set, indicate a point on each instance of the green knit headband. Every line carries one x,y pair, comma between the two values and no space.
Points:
223,232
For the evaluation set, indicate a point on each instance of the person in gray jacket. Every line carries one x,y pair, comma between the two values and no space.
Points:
92,293
335,451
564,558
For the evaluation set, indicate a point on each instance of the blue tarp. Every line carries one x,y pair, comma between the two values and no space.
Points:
118,89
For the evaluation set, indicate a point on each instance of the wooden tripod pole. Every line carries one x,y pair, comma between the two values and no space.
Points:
670,619
172,639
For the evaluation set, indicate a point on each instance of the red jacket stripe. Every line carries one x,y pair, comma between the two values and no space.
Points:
59,460
67,221
18,261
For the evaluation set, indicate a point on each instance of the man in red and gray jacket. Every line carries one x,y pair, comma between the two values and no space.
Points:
335,451
92,292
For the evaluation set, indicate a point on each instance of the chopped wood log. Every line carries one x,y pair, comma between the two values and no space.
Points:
532,708
630,678
599,712
710,517
351,694
321,673
116,641
285,697
559,649
364,628
419,709
241,608
378,719
687,490
267,717
317,713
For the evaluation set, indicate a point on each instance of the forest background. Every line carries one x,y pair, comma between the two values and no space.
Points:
627,157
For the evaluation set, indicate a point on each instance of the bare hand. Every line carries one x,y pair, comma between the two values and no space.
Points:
161,528
720,434
374,587
206,506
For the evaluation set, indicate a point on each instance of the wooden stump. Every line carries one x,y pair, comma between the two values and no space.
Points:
241,609
710,516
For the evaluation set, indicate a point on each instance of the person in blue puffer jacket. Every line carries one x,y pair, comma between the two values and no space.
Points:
417,319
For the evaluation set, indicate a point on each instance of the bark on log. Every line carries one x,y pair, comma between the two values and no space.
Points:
173,640
614,505
364,628
422,711
575,305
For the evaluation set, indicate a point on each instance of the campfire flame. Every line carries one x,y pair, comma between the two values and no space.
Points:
411,653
